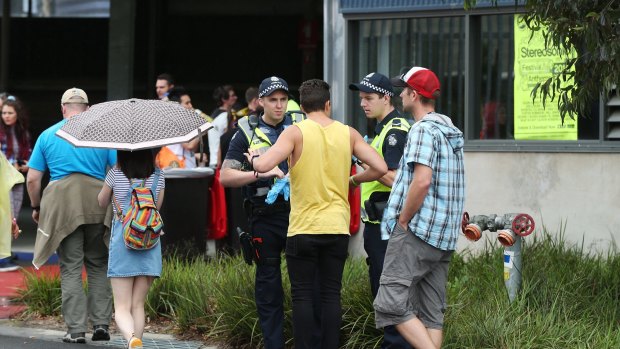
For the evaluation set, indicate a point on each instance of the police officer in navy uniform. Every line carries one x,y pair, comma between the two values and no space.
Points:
269,223
376,93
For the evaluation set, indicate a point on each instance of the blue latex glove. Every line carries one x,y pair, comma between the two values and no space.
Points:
280,186
287,189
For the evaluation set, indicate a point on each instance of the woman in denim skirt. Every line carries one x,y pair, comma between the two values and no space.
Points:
131,271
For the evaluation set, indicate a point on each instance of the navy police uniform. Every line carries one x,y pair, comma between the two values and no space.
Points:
393,147
390,139
268,223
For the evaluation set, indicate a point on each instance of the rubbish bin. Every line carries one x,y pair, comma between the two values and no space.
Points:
185,210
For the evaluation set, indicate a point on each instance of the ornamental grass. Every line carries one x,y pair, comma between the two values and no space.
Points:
570,298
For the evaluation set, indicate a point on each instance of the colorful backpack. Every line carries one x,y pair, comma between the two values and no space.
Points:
142,223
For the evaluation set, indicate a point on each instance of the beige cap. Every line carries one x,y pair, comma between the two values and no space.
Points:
74,95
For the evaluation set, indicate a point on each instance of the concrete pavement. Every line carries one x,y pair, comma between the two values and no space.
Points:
13,336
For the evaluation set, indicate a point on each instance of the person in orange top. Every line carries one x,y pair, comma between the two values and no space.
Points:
319,151
178,155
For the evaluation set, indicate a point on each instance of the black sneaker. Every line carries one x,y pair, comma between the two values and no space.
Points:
101,333
78,337
8,265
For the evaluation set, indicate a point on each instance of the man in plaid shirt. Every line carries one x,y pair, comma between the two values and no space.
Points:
422,218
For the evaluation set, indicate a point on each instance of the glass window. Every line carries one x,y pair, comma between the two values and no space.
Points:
59,8
495,92
391,46
495,83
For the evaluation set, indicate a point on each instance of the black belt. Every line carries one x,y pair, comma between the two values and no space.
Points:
374,210
254,209
276,207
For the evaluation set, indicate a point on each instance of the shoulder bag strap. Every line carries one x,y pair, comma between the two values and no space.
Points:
154,185
119,210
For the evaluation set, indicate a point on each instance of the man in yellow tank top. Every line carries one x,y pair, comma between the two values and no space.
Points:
319,152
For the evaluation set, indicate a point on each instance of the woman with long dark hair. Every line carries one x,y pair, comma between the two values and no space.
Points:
14,134
131,272
15,144
8,178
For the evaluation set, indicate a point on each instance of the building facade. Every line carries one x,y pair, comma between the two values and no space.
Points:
566,179
117,47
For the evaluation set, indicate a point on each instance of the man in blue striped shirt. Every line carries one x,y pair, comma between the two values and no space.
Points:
422,218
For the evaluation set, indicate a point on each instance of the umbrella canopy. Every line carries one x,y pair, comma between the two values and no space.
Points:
133,124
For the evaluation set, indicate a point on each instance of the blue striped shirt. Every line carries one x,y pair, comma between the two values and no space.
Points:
434,142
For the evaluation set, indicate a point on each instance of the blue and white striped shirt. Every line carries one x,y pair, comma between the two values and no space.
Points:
434,142
121,185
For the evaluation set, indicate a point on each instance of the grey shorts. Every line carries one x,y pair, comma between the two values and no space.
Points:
413,282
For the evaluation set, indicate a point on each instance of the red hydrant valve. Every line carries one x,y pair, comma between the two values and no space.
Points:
523,224
464,221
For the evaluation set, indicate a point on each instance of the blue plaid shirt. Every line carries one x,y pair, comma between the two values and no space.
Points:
434,142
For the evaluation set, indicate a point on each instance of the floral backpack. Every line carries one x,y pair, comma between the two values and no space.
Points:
142,223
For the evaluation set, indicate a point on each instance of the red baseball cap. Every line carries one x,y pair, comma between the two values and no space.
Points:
420,79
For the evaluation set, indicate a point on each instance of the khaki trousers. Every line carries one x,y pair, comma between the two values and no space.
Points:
85,246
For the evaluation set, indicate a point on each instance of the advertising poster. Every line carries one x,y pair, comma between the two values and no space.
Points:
533,64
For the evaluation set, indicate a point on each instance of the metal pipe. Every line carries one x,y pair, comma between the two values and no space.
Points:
473,231
506,237
512,268
511,228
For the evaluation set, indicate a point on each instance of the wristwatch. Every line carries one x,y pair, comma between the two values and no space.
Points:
36,208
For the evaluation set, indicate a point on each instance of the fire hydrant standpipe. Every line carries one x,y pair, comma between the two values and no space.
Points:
512,269
510,229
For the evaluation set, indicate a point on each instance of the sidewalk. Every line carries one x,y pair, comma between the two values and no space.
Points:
11,281
150,340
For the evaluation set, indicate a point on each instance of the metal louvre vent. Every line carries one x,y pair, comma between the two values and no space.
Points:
613,112
383,6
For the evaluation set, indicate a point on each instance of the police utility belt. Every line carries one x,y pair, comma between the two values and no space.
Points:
253,209
374,210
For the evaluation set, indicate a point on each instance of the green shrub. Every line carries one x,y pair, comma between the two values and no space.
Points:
41,295
569,299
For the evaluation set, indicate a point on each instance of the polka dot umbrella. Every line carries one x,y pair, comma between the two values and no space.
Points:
133,124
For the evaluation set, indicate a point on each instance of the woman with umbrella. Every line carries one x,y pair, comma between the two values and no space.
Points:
133,127
131,272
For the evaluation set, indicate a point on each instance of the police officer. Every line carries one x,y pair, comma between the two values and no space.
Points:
376,92
269,223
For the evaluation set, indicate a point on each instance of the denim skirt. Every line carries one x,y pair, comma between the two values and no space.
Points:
126,262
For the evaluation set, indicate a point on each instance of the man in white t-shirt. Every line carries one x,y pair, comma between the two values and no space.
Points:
225,97
184,151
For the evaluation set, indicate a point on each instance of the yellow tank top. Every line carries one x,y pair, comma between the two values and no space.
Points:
320,181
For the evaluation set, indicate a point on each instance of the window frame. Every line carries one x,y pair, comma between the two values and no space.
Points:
28,10
472,78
